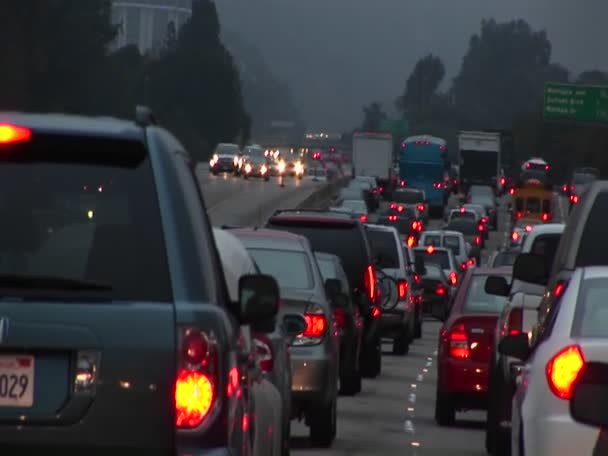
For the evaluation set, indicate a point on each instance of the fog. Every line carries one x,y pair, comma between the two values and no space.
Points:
337,55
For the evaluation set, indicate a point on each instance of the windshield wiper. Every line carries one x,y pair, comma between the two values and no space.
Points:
24,282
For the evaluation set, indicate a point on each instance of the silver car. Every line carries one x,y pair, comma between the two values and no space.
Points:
315,353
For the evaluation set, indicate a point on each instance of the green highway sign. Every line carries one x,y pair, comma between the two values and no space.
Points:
576,102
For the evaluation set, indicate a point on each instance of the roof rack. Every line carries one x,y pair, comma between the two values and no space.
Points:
144,117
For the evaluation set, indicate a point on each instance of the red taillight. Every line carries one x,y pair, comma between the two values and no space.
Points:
511,191
574,199
459,342
196,381
402,183
471,262
462,210
545,217
484,220
563,369
430,249
515,236
559,289
264,352
363,218
392,218
376,312
514,321
565,189
393,205
400,208
402,288
316,324
440,290
421,207
477,240
340,317
411,241
11,134
481,227
417,278
546,167
503,181
381,189
529,228
463,266
370,282
453,278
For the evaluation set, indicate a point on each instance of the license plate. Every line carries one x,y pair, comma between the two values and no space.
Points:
16,381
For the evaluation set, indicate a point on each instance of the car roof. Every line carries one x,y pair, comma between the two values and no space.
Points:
274,239
327,256
443,233
437,249
68,124
314,216
548,228
385,228
485,270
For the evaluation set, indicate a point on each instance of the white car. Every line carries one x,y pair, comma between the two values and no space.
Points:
452,240
462,213
572,333
444,258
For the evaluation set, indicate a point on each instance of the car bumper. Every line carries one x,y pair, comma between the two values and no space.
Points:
464,377
393,322
311,374
228,168
224,451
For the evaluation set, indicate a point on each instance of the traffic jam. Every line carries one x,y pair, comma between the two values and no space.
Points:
248,340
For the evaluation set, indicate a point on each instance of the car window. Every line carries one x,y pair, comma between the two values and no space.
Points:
355,206
519,204
432,240
327,268
408,197
438,257
504,259
452,243
434,272
546,206
594,233
292,270
464,226
477,300
83,209
384,243
227,149
591,317
546,246
533,204
463,215
583,178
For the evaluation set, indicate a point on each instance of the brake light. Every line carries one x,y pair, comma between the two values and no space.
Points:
375,312
462,210
196,380
529,228
402,288
453,278
392,218
416,225
481,228
545,217
477,240
11,134
471,262
381,189
421,207
363,218
484,220
440,290
463,266
402,183
340,317
574,199
417,278
511,191
559,289
503,181
563,369
411,241
515,236
400,208
565,189
459,342
514,321
264,352
546,167
430,249
393,205
370,282
316,324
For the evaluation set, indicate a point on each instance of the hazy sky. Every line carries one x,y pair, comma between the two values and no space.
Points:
337,55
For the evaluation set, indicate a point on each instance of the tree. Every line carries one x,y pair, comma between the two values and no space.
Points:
593,77
422,84
503,73
373,115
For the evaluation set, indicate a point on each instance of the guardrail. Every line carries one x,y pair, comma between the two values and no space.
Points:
325,193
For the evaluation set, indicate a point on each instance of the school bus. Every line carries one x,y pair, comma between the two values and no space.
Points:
533,202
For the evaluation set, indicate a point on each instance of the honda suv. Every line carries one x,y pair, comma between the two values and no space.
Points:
346,238
118,323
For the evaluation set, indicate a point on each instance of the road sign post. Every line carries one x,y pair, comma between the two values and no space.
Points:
587,104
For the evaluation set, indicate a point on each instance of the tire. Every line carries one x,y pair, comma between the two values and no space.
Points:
245,176
286,442
266,179
445,413
350,383
323,425
401,345
371,365
215,173
418,328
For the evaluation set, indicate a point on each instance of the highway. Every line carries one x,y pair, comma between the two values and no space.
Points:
394,414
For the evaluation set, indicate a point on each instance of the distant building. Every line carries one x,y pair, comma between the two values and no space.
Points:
145,23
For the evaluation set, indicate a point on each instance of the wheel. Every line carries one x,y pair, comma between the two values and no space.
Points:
401,345
445,413
215,173
245,176
266,179
323,425
418,327
286,442
371,364
350,382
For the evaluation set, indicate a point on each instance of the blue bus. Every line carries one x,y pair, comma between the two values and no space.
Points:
423,162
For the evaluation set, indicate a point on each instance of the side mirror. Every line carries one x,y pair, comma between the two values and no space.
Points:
294,324
258,298
497,285
516,346
531,268
332,288
589,400
340,301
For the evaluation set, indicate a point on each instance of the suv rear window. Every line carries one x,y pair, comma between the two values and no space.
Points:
408,197
346,241
384,243
291,269
452,243
592,250
82,209
533,204
438,257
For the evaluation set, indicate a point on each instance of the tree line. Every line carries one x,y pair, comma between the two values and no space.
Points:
500,86
57,56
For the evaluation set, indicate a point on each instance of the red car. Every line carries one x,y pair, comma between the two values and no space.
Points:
465,346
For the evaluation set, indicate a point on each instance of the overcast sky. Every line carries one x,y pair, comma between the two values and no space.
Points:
337,55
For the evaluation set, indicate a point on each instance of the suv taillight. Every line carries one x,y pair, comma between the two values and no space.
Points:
264,352
402,288
514,321
453,278
316,327
458,342
196,384
563,369
369,281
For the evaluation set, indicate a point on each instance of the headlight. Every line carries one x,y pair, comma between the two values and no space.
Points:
263,169
299,168
247,168
216,157
235,161
281,166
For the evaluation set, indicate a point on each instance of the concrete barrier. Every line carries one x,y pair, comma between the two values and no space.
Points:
325,194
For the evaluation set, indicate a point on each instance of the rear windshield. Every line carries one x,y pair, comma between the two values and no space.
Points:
227,149
504,259
347,242
434,272
432,240
591,319
482,200
291,269
519,204
463,215
452,243
438,257
546,246
384,243
408,197
355,206
546,205
327,268
83,209
583,178
464,226
533,205
477,300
